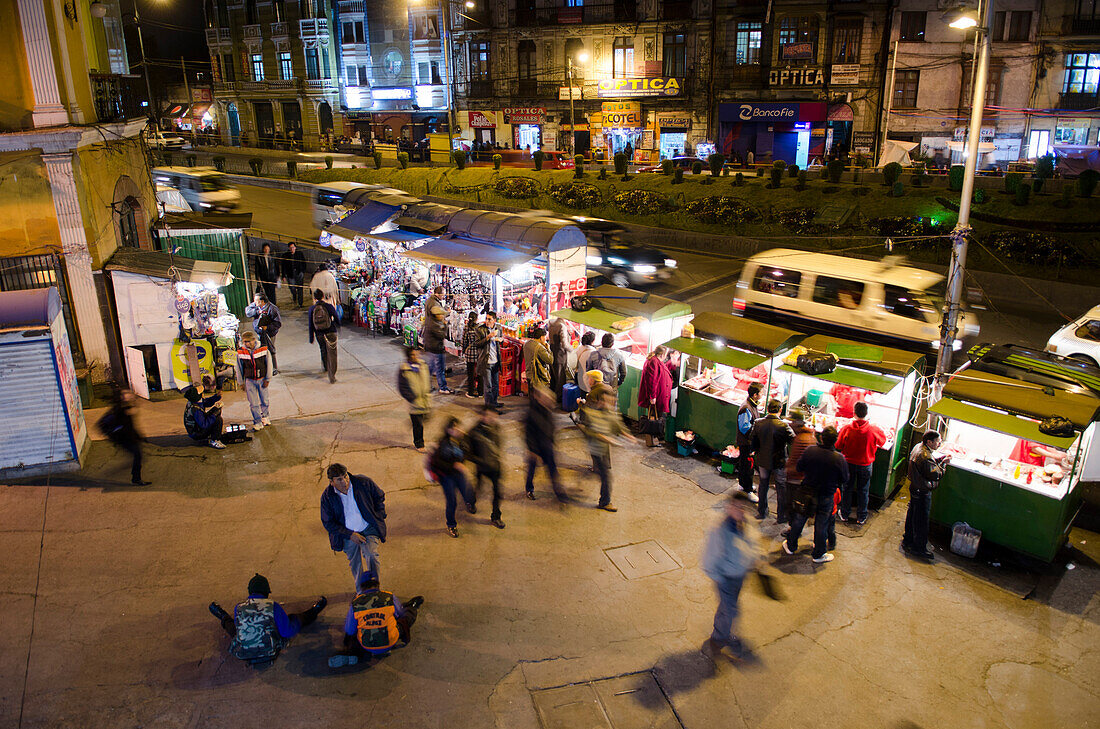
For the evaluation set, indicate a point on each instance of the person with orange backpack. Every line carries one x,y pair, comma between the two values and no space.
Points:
377,621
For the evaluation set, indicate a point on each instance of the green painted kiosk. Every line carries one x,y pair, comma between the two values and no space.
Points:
885,378
1007,478
639,321
717,365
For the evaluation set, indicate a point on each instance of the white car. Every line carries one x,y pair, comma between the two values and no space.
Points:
1080,339
159,140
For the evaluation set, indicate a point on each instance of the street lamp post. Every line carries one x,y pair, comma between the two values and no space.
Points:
446,39
960,235
581,58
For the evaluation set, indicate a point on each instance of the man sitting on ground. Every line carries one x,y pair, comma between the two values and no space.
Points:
376,622
202,421
259,626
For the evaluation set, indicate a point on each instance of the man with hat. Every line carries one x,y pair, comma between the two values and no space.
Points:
259,626
376,622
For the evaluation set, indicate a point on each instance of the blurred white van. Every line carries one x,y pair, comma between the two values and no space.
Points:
204,188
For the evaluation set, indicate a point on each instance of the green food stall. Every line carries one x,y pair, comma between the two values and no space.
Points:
717,365
885,378
639,321
1007,478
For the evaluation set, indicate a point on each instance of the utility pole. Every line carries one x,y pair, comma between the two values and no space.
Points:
446,39
187,86
960,235
145,65
572,117
889,105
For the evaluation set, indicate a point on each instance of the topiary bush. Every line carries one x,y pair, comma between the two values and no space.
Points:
1086,183
835,170
191,159
898,189
641,202
779,164
1023,193
292,169
759,171
666,167
257,165
716,162
891,173
1037,185
620,163
677,175
1032,247
792,172
377,160
919,179
777,177
578,165
1067,196
516,188
1044,167
801,181
219,163
459,157
979,196
603,173
575,194
696,168
328,161
720,209
403,160
497,159
538,157
1012,182
739,180
955,178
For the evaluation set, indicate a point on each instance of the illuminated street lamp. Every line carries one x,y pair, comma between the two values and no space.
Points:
581,59
964,18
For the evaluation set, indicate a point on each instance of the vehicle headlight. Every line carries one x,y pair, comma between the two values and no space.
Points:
593,260
644,268
205,205
670,263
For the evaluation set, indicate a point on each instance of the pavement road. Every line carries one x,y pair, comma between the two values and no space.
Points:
706,281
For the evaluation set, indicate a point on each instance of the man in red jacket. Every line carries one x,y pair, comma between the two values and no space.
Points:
859,441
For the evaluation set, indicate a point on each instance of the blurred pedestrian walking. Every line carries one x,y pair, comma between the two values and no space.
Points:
602,427
324,325
732,551
560,349
538,430
446,465
353,512
485,446
415,385
119,427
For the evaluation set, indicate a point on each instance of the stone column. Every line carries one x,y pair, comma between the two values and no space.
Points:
77,257
48,110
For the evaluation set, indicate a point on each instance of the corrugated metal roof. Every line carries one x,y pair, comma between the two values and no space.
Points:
159,263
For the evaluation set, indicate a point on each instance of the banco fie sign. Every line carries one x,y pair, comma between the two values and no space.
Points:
767,112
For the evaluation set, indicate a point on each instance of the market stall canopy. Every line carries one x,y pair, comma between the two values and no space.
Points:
364,220
380,194
473,255
715,350
866,366
204,221
397,235
543,234
896,151
430,213
612,305
1021,398
30,309
162,265
746,334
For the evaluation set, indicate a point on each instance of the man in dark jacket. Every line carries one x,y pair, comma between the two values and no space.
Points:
353,511
484,445
771,437
489,338
294,271
560,347
266,322
823,472
747,414
435,331
925,472
538,430
324,325
266,267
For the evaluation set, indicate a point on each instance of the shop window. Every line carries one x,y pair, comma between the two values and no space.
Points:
622,62
1082,73
387,133
352,76
795,32
313,70
1071,131
912,25
675,55
749,36
1090,330
777,281
992,85
527,63
1038,143
285,71
257,67
911,305
847,36
250,12
479,61
363,81
1011,25
842,292
905,89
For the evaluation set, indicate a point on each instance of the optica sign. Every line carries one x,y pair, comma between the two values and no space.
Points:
620,88
772,112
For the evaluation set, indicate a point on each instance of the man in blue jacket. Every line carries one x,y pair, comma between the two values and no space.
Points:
747,414
732,551
259,626
353,510
824,472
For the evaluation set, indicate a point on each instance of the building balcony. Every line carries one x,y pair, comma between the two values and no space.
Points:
318,85
480,89
116,97
218,36
676,10
1073,25
526,87
225,87
252,32
280,31
313,29
624,11
1079,102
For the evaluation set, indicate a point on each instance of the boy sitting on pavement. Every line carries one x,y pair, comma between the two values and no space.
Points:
376,623
259,626
202,417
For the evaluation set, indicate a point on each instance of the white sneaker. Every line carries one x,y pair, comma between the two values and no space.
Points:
753,497
257,426
216,444
786,548
265,421
827,557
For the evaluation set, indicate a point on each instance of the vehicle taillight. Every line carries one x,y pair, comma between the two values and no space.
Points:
738,304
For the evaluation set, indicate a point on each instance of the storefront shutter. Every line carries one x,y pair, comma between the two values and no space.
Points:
33,427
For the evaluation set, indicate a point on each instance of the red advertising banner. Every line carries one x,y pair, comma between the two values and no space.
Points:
482,120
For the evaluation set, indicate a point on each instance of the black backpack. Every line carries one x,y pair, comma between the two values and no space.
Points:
404,389
322,320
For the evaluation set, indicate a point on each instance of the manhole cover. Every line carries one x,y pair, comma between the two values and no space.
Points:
634,701
642,559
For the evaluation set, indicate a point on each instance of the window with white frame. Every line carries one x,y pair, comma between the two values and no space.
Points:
285,71
622,62
257,67
749,36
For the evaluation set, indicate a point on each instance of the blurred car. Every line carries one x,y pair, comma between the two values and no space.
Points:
684,163
204,188
621,261
1080,339
161,140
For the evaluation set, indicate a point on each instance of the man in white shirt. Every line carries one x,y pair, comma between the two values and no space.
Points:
353,511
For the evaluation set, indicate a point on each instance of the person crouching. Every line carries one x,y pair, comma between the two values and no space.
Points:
376,623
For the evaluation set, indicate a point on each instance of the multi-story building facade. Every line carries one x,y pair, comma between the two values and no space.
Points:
637,71
275,70
74,175
932,93
795,80
1067,86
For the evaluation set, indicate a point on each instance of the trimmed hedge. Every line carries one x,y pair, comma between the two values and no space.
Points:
578,195
641,202
516,188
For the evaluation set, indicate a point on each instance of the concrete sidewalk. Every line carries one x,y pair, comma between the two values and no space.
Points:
105,588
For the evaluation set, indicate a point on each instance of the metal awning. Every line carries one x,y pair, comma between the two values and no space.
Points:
746,334
468,254
160,264
853,377
713,351
596,319
397,235
999,421
1022,398
365,219
406,222
29,309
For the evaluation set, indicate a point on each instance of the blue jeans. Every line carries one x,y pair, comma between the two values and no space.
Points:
359,553
858,487
490,382
729,590
437,364
778,478
824,527
256,393
454,483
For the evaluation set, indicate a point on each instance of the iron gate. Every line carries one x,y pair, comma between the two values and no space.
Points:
21,273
